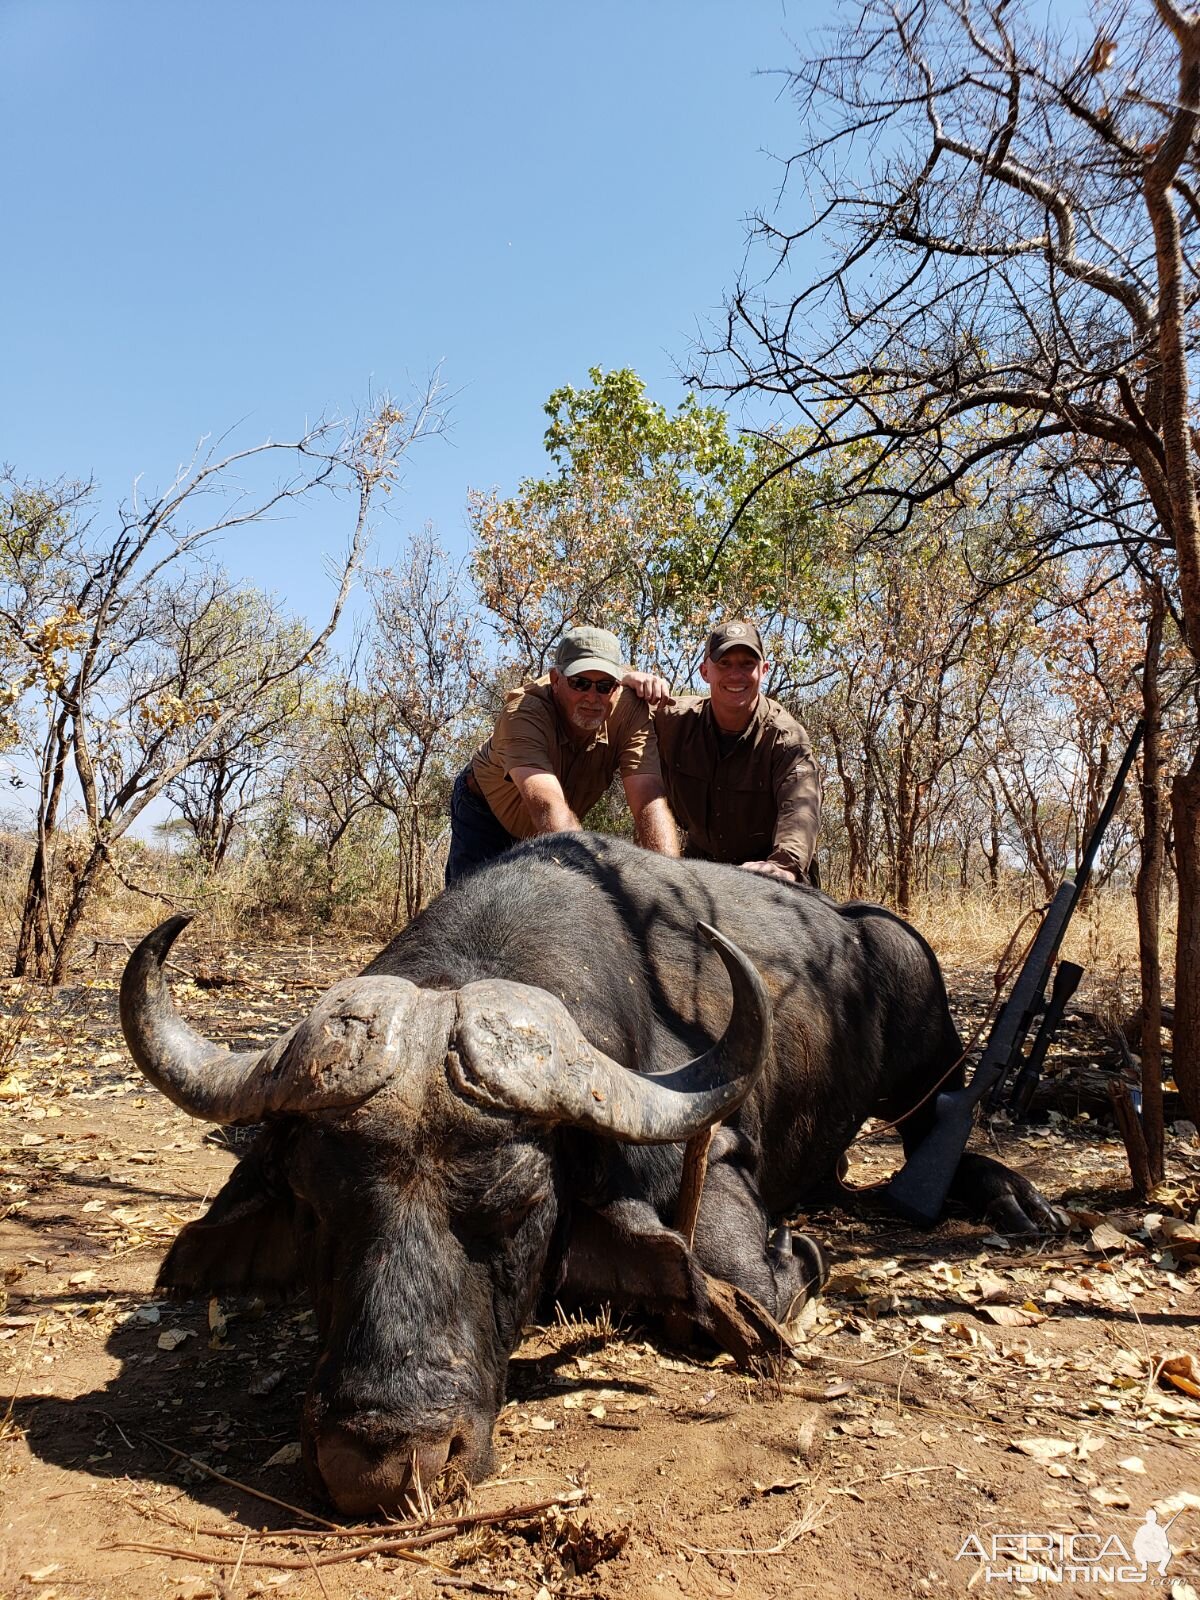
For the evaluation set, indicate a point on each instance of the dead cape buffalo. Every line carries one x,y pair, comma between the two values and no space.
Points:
492,1112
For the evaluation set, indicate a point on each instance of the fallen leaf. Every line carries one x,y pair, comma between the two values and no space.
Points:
1113,1498
1089,1445
1106,1238
780,1486
80,1278
172,1338
1011,1316
1044,1449
542,1424
947,1273
1132,1464
1181,1372
40,1574
1174,1504
1085,1219
990,1286
1174,1229
286,1456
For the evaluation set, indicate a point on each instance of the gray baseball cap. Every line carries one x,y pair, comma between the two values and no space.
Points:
589,650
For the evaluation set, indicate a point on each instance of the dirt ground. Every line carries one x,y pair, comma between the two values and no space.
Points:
953,1387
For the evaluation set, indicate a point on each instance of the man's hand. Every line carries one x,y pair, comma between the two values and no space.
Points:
545,801
654,824
770,869
653,690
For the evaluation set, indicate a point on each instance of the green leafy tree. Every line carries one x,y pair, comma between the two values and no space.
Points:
627,532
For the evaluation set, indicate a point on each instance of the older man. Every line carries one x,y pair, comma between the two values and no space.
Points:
738,768
553,753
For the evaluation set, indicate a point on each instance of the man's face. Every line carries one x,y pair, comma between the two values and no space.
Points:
584,699
734,681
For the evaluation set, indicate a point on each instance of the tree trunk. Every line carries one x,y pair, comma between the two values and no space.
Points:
1183,527
35,944
855,865
1149,894
1185,815
992,854
82,886
34,950
906,807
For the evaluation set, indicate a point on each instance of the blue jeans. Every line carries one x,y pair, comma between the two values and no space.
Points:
476,833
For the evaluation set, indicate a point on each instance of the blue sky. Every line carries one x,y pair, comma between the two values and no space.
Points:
252,213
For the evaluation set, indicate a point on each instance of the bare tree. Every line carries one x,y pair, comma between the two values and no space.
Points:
425,673
133,666
216,794
328,752
1014,209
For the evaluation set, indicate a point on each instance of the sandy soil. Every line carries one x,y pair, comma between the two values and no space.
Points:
952,1386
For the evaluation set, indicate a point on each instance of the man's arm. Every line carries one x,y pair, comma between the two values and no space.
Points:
655,691
544,800
798,817
653,822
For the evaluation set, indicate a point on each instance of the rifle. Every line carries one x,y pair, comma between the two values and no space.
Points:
919,1189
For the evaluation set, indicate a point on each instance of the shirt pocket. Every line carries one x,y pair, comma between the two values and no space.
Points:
688,785
743,817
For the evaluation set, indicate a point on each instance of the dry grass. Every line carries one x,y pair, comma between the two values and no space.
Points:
974,933
974,930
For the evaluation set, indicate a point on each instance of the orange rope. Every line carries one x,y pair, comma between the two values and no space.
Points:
999,982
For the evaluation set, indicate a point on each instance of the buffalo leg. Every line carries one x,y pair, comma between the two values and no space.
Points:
622,1253
731,1243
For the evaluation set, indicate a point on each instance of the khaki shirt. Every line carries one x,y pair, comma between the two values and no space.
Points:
530,733
760,801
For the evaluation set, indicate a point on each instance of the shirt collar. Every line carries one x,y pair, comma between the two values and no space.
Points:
750,733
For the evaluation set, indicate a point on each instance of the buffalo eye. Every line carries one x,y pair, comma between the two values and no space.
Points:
493,1198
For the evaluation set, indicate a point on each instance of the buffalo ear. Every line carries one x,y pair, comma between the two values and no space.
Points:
247,1240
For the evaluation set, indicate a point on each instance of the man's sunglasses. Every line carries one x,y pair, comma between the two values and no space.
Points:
581,683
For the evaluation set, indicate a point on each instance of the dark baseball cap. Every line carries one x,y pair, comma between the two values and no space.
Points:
589,650
728,635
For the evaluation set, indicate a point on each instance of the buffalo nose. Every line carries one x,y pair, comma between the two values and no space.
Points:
363,1480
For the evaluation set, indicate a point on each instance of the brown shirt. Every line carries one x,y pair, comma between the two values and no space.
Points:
755,796
530,733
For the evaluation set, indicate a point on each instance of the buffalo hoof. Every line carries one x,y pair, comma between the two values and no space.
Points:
741,1326
1005,1199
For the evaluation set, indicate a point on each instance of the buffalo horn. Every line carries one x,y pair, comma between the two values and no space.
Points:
348,1046
517,1048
